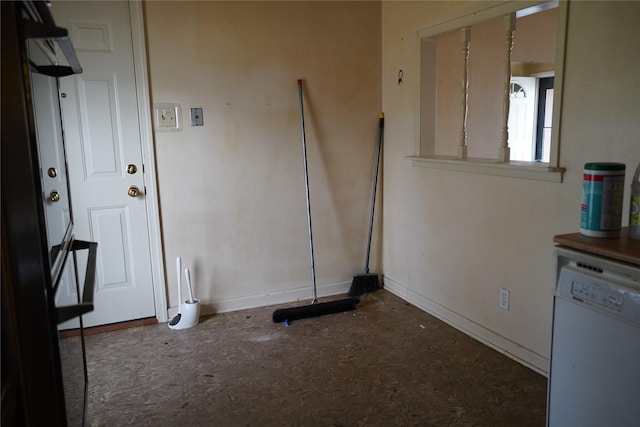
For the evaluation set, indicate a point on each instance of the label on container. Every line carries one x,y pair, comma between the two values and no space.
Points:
601,210
634,212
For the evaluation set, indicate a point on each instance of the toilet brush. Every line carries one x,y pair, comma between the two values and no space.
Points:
187,275
189,310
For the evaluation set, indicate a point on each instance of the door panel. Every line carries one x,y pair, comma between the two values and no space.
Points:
102,133
112,228
102,143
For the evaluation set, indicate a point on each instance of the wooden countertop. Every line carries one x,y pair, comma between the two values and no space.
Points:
621,248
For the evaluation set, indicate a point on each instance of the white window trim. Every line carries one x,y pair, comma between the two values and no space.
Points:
552,171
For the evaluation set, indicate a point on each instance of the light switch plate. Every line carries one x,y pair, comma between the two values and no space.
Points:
196,117
167,117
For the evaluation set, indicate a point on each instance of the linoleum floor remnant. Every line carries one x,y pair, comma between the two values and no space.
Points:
385,364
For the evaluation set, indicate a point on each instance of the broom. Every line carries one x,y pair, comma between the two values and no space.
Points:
368,282
315,308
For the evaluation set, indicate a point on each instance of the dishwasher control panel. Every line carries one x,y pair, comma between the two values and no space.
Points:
598,294
613,295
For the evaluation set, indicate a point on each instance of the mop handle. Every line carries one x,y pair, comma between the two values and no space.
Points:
179,270
375,186
306,186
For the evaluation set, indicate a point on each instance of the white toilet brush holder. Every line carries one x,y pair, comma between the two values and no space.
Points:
189,315
188,311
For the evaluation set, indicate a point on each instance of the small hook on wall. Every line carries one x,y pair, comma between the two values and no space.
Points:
400,75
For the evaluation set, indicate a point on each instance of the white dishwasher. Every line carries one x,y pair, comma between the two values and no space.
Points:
594,376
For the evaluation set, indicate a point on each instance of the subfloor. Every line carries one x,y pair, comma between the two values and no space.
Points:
385,364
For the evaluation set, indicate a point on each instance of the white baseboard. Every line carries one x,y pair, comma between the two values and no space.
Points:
254,301
511,349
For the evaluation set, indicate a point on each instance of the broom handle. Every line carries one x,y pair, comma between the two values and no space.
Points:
375,187
306,186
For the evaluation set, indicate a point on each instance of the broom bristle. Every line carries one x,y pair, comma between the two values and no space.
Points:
313,310
364,283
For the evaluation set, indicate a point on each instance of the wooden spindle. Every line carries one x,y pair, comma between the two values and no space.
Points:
504,154
465,39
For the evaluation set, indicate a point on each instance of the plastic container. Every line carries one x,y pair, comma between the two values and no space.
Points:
602,196
190,315
634,207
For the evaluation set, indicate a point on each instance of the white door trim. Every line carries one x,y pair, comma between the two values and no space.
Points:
148,158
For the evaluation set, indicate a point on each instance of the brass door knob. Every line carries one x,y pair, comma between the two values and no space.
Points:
131,169
133,191
52,172
54,196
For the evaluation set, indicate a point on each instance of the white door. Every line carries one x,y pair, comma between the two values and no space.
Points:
53,168
103,143
50,149
522,111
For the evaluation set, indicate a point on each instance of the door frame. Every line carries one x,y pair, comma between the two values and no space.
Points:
136,16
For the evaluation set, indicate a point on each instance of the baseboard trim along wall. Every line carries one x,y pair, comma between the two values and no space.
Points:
509,348
499,343
300,294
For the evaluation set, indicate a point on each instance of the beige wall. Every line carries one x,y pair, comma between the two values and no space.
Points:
452,239
536,37
486,88
232,192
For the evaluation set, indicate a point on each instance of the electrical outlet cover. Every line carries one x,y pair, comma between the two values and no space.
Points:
504,299
167,117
